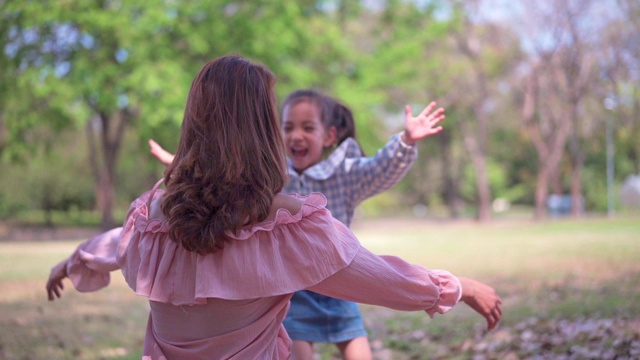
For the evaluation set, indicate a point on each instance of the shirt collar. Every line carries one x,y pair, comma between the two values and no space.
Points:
323,170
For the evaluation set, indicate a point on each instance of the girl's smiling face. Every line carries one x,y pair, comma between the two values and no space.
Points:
305,136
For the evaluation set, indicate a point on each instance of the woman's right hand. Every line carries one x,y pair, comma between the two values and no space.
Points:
54,284
483,299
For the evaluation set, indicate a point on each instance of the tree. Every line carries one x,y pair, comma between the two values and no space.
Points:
478,57
78,58
546,129
109,66
399,53
561,72
619,61
577,62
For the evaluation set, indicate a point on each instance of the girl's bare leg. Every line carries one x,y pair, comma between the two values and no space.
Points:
356,349
301,350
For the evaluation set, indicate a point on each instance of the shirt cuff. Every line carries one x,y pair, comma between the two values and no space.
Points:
404,145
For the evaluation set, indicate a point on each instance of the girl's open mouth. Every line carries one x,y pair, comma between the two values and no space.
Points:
299,152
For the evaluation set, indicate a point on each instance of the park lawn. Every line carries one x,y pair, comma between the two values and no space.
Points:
553,276
108,324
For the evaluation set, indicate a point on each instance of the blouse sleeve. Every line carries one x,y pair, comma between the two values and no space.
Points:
89,266
392,282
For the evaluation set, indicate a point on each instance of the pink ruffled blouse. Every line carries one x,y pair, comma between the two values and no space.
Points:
231,304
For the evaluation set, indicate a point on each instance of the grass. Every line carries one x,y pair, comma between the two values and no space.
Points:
560,269
105,325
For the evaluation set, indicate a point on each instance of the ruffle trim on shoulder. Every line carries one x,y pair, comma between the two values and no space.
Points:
284,255
311,203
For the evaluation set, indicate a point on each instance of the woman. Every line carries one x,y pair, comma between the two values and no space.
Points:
220,251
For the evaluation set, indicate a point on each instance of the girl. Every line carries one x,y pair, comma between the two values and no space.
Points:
313,124
220,251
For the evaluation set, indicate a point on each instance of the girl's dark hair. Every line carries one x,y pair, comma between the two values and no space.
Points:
332,112
230,161
343,121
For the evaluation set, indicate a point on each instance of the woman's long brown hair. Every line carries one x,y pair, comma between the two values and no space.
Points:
230,161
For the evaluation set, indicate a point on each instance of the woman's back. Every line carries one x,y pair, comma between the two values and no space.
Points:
221,329
230,303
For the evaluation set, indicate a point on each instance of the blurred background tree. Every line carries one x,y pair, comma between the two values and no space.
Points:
86,83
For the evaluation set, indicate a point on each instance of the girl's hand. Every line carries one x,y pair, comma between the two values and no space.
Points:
54,285
160,153
483,299
423,125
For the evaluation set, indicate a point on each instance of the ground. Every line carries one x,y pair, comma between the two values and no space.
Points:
9,231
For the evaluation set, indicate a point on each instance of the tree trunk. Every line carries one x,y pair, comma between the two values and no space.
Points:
479,161
94,162
548,131
482,188
475,136
542,191
106,190
111,132
577,162
450,186
555,181
576,186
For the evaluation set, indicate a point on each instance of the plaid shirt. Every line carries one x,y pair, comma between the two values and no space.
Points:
346,178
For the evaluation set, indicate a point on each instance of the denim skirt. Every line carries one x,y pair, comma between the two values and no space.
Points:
318,318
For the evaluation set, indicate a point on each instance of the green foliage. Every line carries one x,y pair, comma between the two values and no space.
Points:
511,149
133,62
627,149
66,63
57,186
138,171
50,181
386,204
